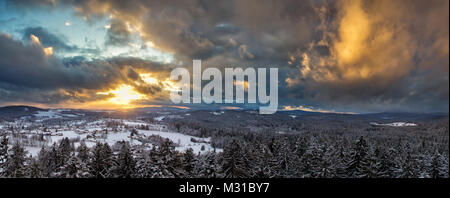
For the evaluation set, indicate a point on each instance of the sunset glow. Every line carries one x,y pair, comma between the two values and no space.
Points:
123,95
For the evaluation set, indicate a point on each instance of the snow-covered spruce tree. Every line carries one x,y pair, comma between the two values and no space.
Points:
286,166
54,161
101,160
309,164
43,160
327,163
125,164
250,158
3,154
342,157
143,164
375,164
359,165
389,164
232,166
160,162
266,164
15,166
158,167
34,169
189,162
61,155
108,160
409,167
168,161
83,152
74,168
64,150
439,166
424,160
300,147
207,166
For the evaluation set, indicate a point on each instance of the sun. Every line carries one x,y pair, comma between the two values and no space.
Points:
123,95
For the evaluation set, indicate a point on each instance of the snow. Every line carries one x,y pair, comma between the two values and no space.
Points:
183,141
218,113
133,123
47,114
395,124
70,115
56,113
95,131
159,118
33,151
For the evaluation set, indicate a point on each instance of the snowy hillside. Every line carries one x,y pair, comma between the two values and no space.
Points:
394,124
108,131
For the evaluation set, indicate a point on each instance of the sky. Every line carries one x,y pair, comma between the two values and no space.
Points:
332,56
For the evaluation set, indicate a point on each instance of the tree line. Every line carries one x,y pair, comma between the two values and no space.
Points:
258,156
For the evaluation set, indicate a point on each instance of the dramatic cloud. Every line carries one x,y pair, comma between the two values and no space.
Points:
346,55
48,39
380,51
29,74
118,34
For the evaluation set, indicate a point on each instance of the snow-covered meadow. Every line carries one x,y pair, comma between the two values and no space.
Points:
109,131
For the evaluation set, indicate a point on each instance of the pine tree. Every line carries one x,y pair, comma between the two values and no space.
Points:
64,150
98,163
3,155
359,164
83,152
326,163
126,164
55,161
34,169
144,165
207,166
189,161
439,166
267,163
250,159
232,161
285,158
309,164
16,161
108,160
341,160
74,168
45,162
425,161
387,166
168,161
409,168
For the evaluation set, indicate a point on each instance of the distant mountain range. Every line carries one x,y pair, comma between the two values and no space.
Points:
18,111
220,115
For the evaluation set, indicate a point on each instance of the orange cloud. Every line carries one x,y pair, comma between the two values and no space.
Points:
48,51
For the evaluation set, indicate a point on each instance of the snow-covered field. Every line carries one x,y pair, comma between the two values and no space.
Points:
217,113
395,124
53,113
102,131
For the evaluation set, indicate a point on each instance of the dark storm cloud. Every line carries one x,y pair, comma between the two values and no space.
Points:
48,39
118,34
28,74
28,66
347,54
